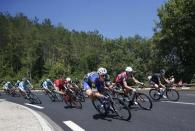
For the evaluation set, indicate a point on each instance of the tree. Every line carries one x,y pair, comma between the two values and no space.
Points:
175,37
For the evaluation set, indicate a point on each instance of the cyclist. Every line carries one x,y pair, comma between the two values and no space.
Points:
59,85
97,80
123,77
17,83
8,87
47,85
155,80
68,83
24,87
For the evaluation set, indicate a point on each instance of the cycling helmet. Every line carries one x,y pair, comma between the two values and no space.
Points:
102,71
18,81
162,71
68,79
24,79
149,77
48,80
129,69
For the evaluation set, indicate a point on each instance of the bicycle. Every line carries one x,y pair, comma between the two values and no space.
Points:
137,98
71,99
53,96
79,91
32,97
171,94
11,92
112,104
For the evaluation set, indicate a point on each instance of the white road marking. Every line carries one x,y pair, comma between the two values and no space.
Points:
184,103
73,126
39,107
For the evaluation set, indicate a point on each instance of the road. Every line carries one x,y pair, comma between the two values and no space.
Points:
165,115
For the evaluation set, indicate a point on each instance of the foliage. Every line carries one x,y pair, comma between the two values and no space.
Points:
40,50
175,37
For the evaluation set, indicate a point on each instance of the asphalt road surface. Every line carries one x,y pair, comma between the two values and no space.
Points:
164,116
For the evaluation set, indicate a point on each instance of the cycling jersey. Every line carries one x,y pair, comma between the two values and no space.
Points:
123,76
155,78
59,84
47,85
7,86
24,85
90,79
17,84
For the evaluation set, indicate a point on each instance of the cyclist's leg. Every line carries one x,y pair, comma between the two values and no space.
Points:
127,89
23,91
12,90
89,91
59,90
47,90
154,85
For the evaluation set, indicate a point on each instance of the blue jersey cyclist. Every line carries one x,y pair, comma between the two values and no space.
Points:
7,86
47,85
24,86
97,79
17,83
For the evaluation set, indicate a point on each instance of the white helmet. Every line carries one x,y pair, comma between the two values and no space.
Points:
48,80
102,71
68,79
129,69
149,77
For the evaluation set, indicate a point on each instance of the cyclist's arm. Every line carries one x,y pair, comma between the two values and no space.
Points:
125,84
166,80
136,81
30,84
161,85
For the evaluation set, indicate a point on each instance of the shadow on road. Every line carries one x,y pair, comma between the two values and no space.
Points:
107,117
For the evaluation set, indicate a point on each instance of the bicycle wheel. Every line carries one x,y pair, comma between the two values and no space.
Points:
99,106
143,101
51,96
15,94
121,109
7,92
66,99
75,102
80,95
58,97
34,99
172,94
154,94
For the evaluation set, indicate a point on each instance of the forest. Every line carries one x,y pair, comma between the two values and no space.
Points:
38,49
